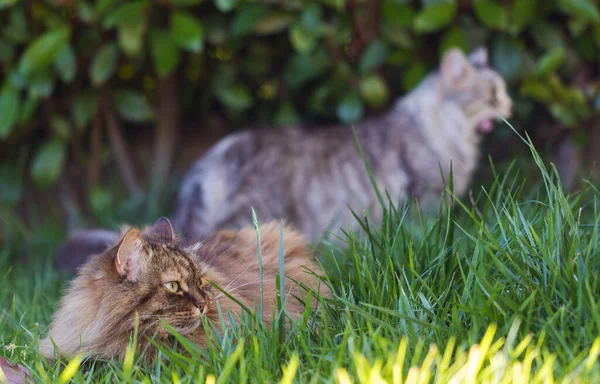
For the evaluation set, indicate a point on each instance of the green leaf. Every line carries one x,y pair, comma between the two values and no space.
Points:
41,84
216,30
563,113
303,39
10,100
100,199
453,37
224,77
491,13
61,126
413,76
44,50
103,5
85,11
522,14
310,18
237,97
275,22
399,57
28,108
186,31
225,6
7,52
577,26
586,47
507,57
165,54
247,18
84,108
337,4
286,115
597,103
585,9
18,30
434,17
374,91
131,37
397,36
11,188
550,61
132,12
350,109
17,80
317,102
104,64
132,106
65,64
537,90
398,14
48,163
547,35
300,69
373,56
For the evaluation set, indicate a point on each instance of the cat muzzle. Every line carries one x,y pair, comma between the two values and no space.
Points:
200,304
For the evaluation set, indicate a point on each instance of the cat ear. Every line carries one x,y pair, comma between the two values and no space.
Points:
162,227
455,69
479,57
130,254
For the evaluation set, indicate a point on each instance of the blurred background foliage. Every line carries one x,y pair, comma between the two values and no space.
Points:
95,92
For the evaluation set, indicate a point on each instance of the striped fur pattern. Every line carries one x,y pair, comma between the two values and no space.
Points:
311,177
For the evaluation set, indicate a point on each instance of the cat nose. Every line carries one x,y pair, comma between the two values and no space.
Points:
198,302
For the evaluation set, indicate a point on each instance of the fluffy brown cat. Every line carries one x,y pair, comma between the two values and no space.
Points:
156,276
311,177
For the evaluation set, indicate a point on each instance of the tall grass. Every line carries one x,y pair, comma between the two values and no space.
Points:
501,289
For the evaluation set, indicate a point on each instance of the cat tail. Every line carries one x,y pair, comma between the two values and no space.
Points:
206,198
189,216
81,245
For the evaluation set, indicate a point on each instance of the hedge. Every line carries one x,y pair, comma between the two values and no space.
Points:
72,70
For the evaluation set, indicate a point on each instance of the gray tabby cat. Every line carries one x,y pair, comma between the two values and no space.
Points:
310,178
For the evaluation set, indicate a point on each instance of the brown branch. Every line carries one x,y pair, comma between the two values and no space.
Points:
68,203
95,149
167,124
117,143
366,30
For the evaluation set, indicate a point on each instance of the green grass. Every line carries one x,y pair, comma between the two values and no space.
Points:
501,289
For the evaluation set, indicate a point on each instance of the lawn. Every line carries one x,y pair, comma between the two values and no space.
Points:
503,288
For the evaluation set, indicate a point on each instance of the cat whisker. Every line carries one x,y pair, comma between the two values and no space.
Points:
238,287
237,277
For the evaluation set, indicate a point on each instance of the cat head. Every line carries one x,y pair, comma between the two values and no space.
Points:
151,275
479,90
162,278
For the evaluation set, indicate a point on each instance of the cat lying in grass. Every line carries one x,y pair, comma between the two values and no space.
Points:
311,177
156,276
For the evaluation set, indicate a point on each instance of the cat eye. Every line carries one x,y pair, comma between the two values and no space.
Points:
172,286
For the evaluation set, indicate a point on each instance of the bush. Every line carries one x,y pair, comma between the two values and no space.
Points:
73,69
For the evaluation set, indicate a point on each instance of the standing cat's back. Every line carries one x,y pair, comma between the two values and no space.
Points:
278,172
